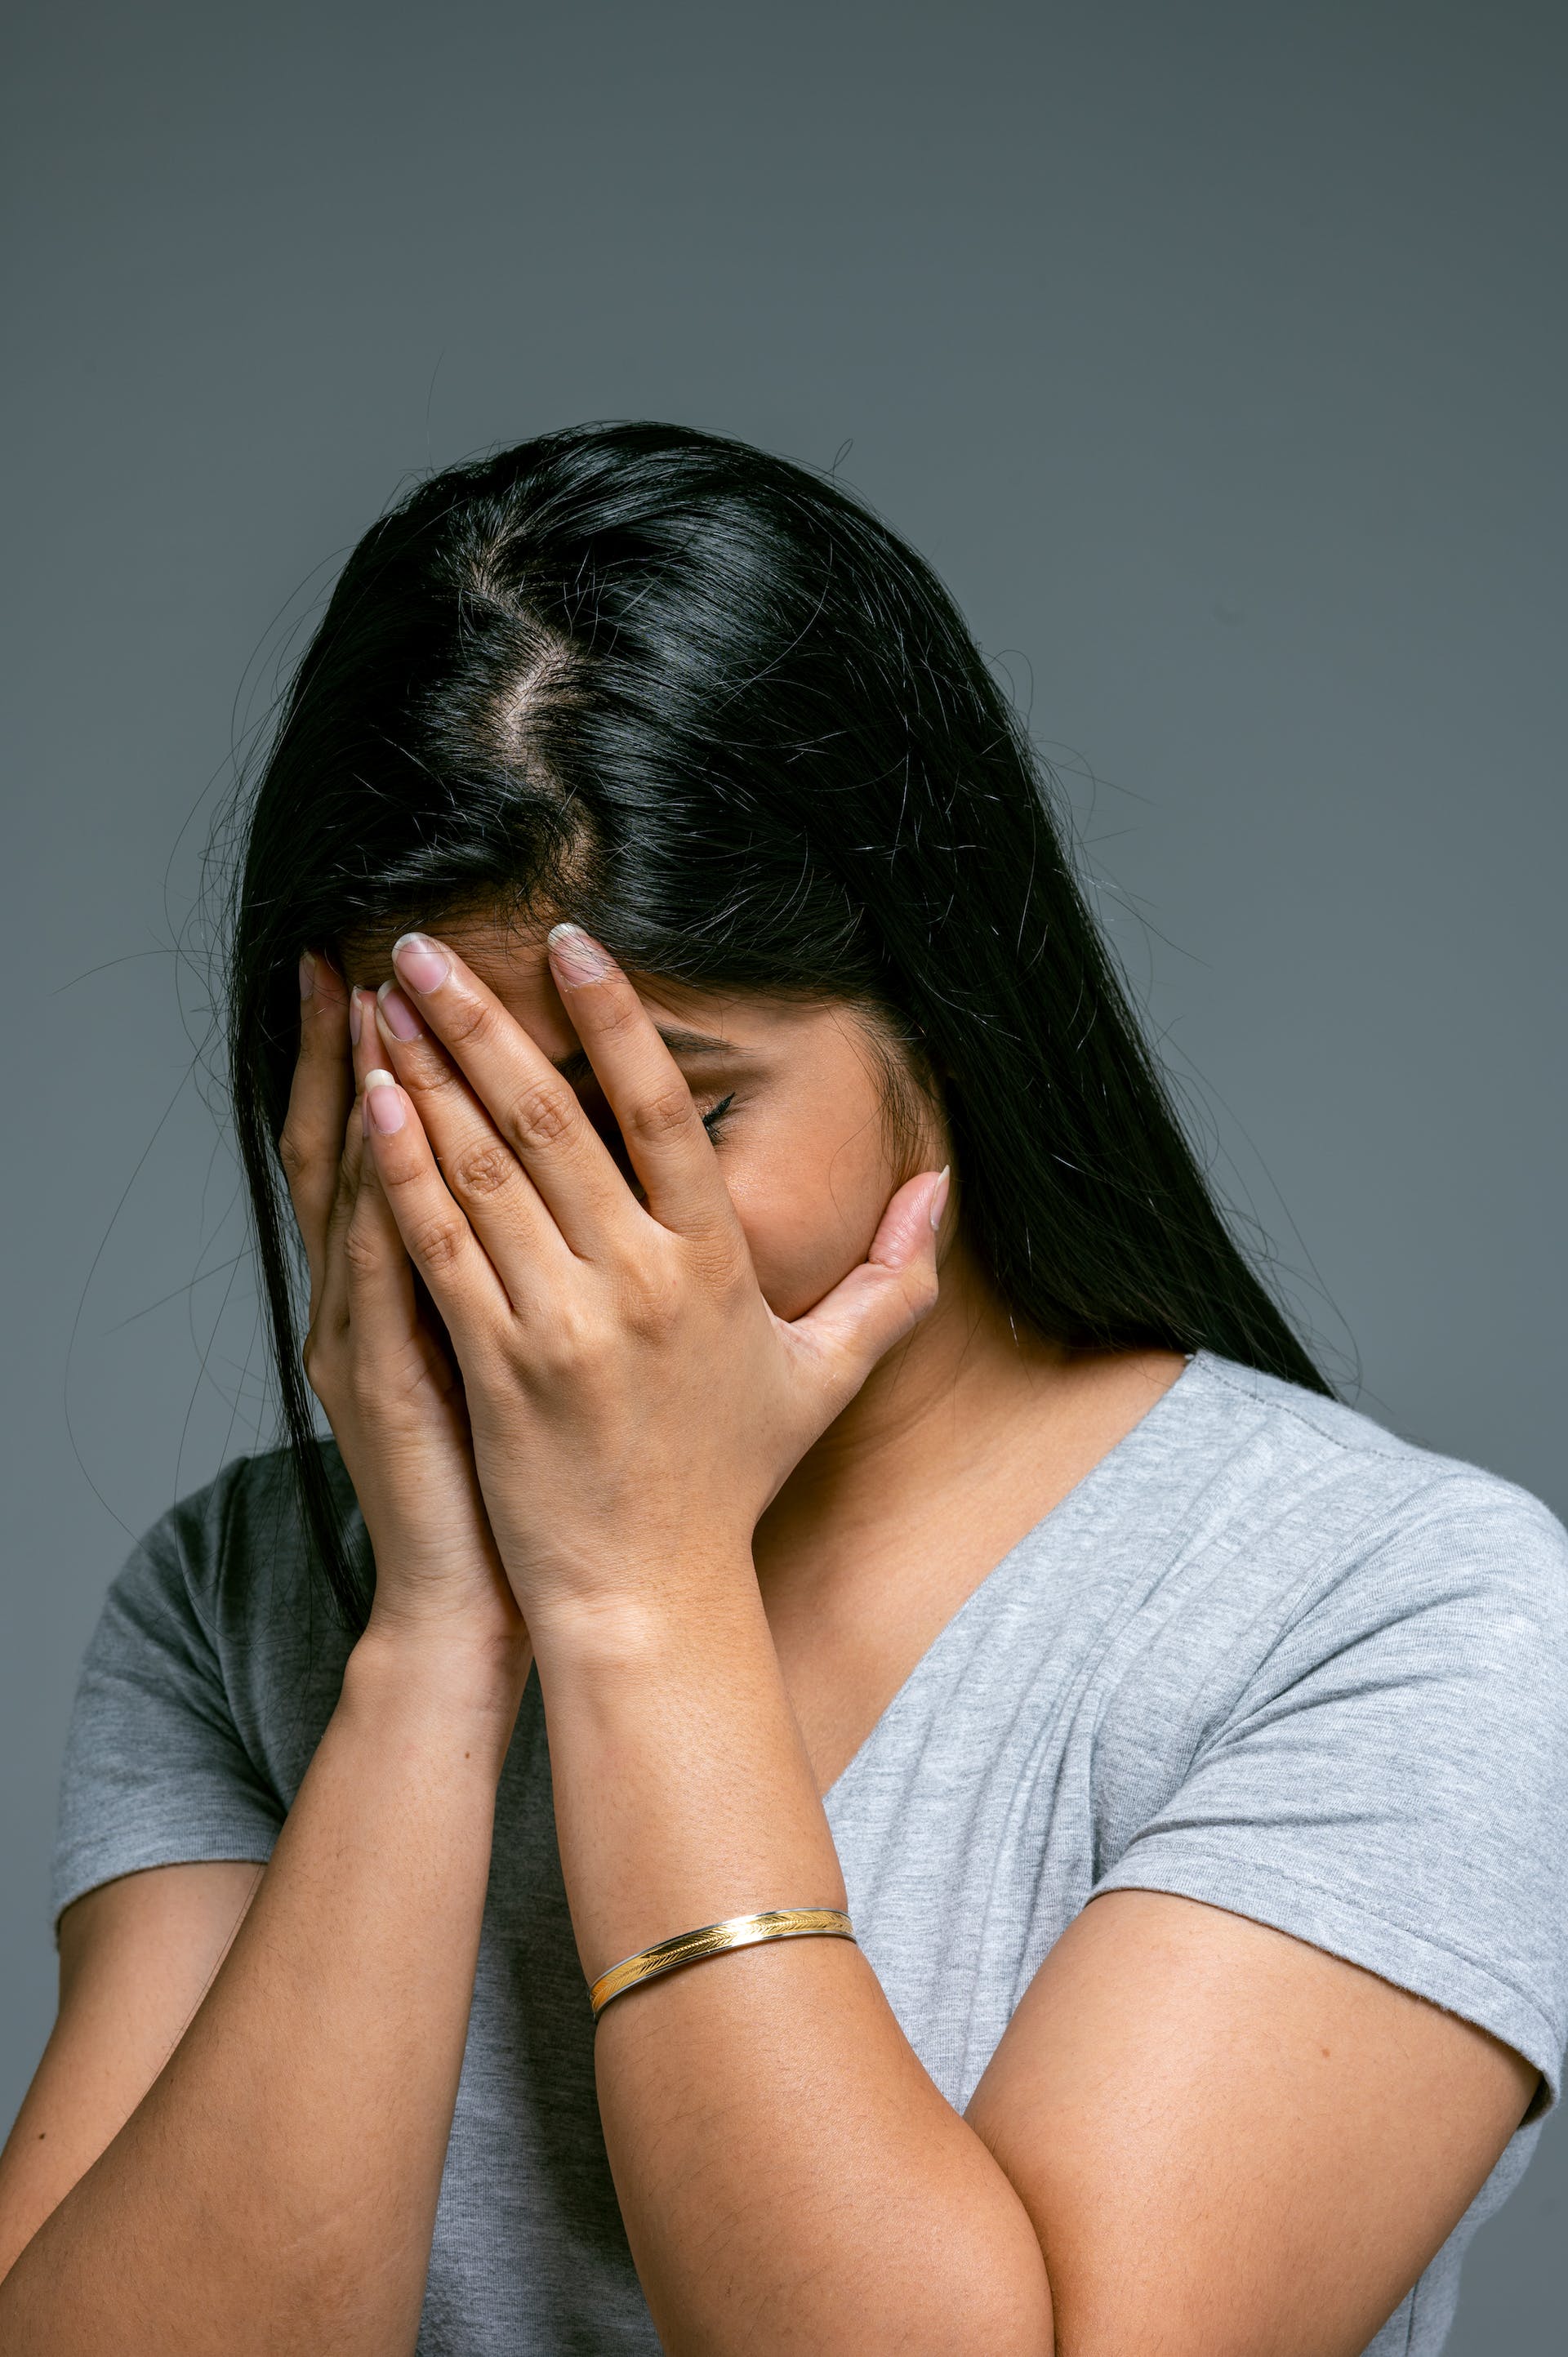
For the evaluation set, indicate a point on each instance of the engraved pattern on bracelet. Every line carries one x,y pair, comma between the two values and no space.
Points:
713,1940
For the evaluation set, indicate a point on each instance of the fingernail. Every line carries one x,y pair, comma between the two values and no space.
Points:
420,962
356,1014
382,1103
940,1192
306,975
397,1014
576,956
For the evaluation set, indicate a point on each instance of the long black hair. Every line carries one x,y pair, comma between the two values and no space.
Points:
705,702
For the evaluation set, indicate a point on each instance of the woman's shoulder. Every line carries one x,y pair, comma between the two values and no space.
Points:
1352,1723
205,1684
237,1550
1345,1444
1382,1516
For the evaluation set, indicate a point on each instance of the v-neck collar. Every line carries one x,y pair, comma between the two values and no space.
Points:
1061,1516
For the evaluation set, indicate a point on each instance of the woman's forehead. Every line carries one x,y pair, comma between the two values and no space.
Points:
510,959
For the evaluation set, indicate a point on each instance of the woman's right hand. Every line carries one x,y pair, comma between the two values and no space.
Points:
236,2138
379,1366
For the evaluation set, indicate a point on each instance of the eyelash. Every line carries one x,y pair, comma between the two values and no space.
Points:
714,1119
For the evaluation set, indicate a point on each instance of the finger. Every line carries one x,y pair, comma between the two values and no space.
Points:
883,1300
310,1145
644,1087
378,1275
397,1350
458,1272
483,1173
332,1307
504,1074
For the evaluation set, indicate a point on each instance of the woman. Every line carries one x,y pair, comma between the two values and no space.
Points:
806,1457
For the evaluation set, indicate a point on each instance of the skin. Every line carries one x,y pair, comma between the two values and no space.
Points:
781,1430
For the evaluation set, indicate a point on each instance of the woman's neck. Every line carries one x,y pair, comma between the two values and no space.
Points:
956,1448
964,1437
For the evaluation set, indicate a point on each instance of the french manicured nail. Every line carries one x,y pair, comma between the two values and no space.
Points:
576,956
356,1014
939,1193
383,1105
397,1014
420,962
306,975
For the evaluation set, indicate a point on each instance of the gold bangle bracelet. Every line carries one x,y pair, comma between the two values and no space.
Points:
713,1940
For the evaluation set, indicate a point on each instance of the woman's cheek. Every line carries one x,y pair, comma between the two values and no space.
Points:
804,1234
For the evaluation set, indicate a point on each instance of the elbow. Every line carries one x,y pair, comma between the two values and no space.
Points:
989,2298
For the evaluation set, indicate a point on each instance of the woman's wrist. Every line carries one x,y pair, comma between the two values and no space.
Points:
462,1686
683,1790
648,1614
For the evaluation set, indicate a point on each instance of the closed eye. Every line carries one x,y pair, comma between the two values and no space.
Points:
713,1122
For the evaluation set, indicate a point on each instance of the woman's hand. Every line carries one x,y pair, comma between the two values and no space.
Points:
634,1402
384,1376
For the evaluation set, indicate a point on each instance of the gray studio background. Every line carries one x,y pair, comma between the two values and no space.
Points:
1212,352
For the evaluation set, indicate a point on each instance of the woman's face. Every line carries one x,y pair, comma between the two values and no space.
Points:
794,1097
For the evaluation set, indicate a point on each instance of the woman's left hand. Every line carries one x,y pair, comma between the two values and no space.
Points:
635,1404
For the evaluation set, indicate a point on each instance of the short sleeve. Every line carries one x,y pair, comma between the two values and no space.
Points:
1393,1784
155,1772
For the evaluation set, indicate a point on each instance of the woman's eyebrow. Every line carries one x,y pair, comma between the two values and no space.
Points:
576,1066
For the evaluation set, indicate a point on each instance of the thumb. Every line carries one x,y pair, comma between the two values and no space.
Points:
885,1297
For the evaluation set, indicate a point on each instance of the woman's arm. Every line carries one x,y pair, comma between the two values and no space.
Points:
1199,2137
276,2185
1231,2141
1207,2139
789,2176
136,1957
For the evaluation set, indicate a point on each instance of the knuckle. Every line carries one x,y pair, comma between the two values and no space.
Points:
318,1358
569,1345
395,1178
619,1007
426,1072
437,1243
293,1154
360,1250
541,1115
471,1023
482,1170
657,1119
651,1297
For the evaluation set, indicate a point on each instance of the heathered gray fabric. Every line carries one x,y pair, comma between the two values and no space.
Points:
1264,1655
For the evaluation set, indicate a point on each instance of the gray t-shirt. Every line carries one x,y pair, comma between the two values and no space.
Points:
1264,1655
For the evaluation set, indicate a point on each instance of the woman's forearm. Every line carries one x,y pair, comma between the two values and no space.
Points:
276,2187
789,2173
